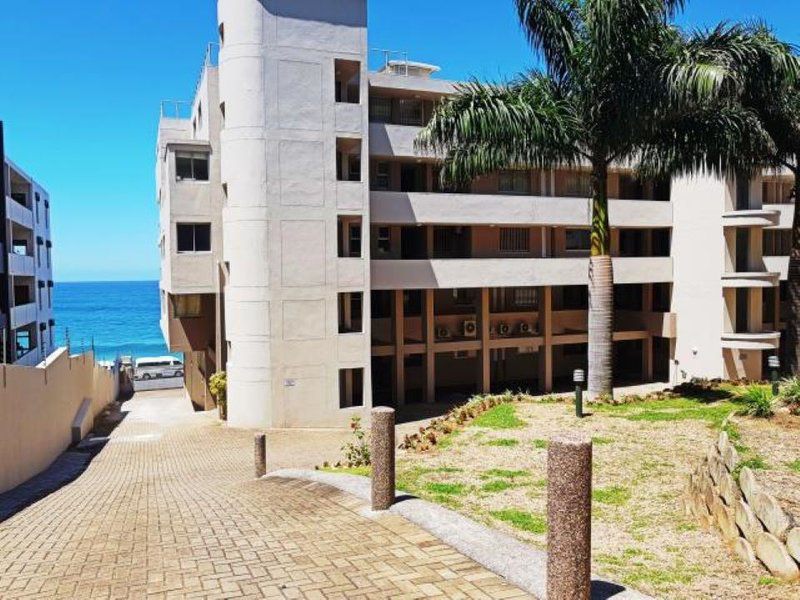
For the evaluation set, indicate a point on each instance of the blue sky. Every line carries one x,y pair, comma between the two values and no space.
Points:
82,81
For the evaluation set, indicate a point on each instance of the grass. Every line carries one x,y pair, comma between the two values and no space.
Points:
671,409
614,496
503,474
794,466
541,444
602,441
363,471
767,580
498,485
503,416
446,489
522,520
503,443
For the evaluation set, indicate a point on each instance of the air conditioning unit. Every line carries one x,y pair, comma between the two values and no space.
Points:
503,329
525,328
470,328
442,333
526,350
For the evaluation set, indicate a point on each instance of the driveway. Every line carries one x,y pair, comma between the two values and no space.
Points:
169,509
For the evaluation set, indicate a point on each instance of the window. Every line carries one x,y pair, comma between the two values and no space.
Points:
199,115
382,176
191,166
742,191
19,247
575,349
351,312
662,297
628,297
777,242
576,297
187,306
577,239
194,237
384,239
525,297
349,233
577,184
23,341
631,242
348,81
463,297
348,159
38,200
514,182
351,388
47,213
409,112
514,240
380,110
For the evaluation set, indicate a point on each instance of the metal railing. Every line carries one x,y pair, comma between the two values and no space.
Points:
389,56
182,109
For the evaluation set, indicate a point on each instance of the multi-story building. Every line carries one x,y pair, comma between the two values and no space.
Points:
321,263
26,279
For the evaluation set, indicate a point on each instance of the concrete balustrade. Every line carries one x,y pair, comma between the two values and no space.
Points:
260,454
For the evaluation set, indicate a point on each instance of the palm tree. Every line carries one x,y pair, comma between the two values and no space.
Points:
620,85
775,100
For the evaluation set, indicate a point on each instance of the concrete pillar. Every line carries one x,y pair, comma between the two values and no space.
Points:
399,349
382,454
429,336
260,454
484,322
546,331
569,517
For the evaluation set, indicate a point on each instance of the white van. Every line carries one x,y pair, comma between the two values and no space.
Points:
160,367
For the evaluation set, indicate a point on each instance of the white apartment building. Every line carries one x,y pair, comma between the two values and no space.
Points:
309,250
26,278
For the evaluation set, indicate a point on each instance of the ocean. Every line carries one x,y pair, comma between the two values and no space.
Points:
122,317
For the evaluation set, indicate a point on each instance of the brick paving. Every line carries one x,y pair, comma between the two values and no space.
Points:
169,509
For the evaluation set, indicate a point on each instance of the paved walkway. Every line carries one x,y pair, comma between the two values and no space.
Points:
169,509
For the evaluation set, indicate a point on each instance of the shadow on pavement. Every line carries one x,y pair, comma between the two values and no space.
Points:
65,469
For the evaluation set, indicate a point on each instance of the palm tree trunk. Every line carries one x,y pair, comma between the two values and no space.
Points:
792,349
601,290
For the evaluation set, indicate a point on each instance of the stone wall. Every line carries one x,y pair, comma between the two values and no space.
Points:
727,496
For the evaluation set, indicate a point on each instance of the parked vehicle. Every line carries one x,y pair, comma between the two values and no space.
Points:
160,367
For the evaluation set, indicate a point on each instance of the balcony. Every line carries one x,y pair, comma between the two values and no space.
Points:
768,340
190,273
23,315
20,264
509,272
762,279
751,218
409,208
785,215
394,140
778,264
19,214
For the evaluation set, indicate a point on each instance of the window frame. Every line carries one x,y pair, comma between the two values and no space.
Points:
515,240
193,157
194,227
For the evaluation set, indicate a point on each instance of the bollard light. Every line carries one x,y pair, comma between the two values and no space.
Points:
579,377
774,364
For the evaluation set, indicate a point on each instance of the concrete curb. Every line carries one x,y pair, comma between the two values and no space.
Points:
516,562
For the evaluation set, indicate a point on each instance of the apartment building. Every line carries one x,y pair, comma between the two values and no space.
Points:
26,278
314,255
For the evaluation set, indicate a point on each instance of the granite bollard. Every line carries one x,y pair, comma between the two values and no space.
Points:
382,456
569,517
260,454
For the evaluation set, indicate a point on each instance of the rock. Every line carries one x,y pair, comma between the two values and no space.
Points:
726,521
770,513
711,496
716,468
748,484
774,555
722,441
745,551
729,489
731,458
793,543
748,522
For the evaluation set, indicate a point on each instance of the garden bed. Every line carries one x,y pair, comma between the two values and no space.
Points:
492,467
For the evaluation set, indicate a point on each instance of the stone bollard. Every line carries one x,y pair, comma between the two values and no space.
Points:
569,517
382,455
260,454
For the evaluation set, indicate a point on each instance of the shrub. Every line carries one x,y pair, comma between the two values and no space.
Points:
790,394
218,386
356,452
758,401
